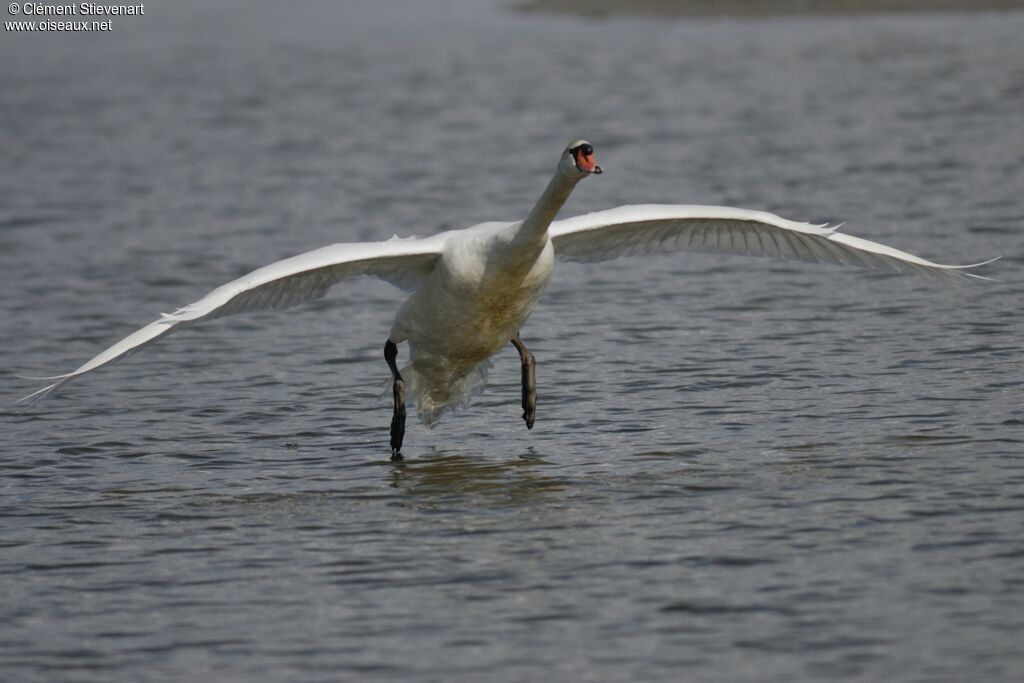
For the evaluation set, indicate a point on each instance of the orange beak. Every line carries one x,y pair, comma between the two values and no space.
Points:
586,162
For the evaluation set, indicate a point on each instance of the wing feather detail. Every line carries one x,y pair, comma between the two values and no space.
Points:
283,284
653,228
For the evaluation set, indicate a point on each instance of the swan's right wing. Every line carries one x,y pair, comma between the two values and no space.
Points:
404,263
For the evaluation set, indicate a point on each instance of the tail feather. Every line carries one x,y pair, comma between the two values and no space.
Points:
439,392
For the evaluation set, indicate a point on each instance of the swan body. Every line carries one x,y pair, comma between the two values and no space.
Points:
472,290
482,290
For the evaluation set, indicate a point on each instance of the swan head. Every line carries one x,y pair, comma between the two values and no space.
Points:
578,160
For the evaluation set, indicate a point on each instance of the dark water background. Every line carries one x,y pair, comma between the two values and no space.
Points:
742,470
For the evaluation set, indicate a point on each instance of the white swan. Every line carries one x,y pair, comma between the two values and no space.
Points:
473,289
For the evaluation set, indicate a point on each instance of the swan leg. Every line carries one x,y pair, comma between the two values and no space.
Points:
529,381
398,389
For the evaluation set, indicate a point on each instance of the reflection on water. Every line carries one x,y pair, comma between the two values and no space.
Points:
447,476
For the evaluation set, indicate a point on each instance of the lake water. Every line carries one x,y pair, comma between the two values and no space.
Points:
742,470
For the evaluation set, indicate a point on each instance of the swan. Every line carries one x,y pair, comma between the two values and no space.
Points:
472,289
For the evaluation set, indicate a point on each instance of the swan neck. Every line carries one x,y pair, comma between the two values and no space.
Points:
547,207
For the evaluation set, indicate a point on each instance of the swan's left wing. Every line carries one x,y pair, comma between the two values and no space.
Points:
402,262
651,228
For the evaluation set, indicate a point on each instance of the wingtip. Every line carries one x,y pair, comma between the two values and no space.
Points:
984,263
56,382
972,277
960,270
45,379
36,396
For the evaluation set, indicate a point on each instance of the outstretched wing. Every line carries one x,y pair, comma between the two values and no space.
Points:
280,285
651,228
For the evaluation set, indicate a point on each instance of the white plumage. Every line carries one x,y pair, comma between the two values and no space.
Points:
653,228
473,289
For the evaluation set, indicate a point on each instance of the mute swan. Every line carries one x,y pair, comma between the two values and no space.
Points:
473,289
